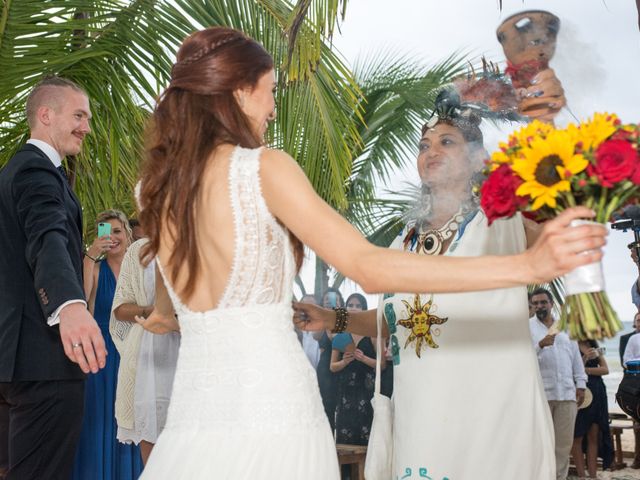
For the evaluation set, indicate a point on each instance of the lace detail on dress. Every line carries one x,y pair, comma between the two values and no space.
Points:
263,265
262,270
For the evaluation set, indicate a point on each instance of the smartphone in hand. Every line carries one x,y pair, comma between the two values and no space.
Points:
343,342
104,229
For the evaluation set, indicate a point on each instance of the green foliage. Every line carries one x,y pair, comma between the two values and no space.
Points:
398,97
121,52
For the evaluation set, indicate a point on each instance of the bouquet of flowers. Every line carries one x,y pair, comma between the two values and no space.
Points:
543,170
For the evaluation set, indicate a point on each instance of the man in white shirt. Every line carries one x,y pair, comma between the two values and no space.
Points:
632,352
562,374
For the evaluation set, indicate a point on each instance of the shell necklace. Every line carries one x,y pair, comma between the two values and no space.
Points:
432,240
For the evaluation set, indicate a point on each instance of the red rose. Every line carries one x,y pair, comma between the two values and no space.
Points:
635,176
621,134
616,160
498,196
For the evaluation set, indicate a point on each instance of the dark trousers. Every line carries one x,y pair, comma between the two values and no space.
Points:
40,425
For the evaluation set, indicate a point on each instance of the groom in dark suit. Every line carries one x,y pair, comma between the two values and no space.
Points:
48,338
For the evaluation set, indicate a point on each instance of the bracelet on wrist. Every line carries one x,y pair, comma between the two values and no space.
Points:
342,320
95,260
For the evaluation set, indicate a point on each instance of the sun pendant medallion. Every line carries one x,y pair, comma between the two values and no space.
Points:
419,322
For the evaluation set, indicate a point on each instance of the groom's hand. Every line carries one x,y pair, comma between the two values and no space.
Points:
310,317
81,338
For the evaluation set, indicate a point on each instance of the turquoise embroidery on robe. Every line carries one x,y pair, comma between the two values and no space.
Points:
422,472
390,316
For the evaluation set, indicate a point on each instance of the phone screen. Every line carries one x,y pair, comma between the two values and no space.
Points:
104,229
332,299
343,342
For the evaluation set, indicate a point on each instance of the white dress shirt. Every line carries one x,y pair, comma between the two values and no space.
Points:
311,348
56,159
632,352
561,364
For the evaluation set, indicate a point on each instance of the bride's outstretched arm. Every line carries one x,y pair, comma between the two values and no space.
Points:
291,198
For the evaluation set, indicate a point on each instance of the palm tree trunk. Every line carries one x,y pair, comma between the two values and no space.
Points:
322,278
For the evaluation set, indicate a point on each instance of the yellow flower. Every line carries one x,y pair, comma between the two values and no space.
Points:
533,130
547,166
498,158
594,131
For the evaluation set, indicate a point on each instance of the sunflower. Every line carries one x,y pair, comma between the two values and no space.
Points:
546,167
594,131
533,130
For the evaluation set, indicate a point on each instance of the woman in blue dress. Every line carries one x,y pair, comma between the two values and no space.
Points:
100,456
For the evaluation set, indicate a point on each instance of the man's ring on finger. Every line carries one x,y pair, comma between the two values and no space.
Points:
76,345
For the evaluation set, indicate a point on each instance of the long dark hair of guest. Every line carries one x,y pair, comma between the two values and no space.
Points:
195,114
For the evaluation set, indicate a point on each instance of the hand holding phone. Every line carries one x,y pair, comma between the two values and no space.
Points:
102,242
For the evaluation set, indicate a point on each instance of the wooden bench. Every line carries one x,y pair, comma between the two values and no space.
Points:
622,422
353,455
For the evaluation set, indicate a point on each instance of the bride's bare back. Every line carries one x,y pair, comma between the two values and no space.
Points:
214,237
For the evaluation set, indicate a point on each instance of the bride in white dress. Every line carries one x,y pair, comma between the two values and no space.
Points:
225,219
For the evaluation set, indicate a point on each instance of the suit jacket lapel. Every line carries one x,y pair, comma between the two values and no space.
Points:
75,199
71,193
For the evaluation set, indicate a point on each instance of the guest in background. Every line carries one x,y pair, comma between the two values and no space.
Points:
137,232
632,350
307,339
532,309
592,422
562,374
627,396
624,339
332,298
354,363
635,288
100,456
356,302
148,360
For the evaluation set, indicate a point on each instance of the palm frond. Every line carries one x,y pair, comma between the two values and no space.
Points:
121,53
399,95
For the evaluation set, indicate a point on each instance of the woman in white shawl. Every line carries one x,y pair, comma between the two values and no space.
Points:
148,360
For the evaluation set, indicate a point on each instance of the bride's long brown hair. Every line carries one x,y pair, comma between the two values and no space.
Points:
195,114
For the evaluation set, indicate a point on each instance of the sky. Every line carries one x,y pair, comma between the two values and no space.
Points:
597,60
